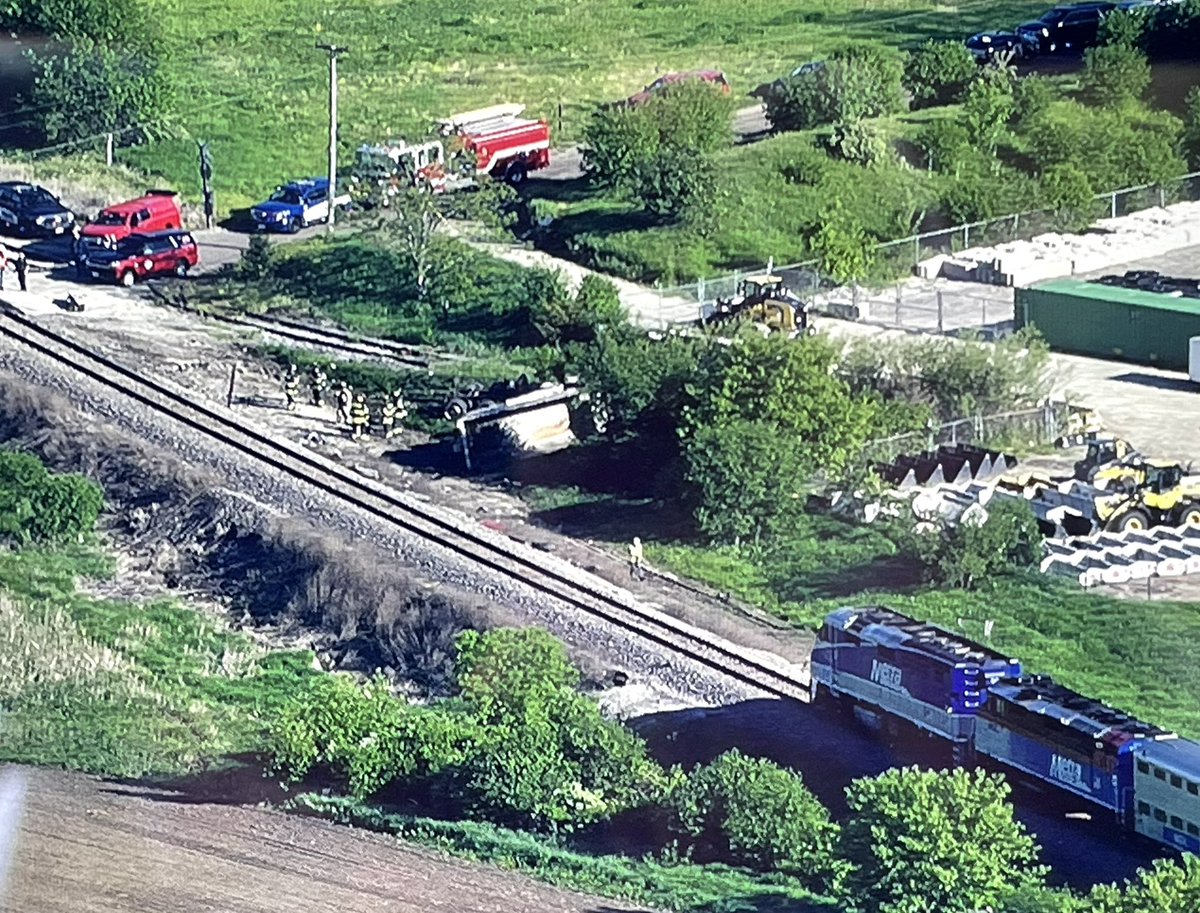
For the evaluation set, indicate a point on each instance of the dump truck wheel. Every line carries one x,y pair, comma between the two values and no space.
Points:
1188,514
1130,520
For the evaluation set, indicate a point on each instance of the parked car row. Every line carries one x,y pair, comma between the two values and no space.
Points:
1067,29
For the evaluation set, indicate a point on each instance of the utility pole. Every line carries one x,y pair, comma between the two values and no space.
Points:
333,50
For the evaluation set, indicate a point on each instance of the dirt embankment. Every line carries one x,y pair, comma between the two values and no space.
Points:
181,855
177,530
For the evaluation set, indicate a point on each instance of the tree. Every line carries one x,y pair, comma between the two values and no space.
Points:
631,148
1067,190
938,73
40,506
967,553
987,106
124,23
674,182
257,259
1115,75
1168,886
844,250
560,317
921,840
1191,127
752,812
91,88
547,758
855,83
797,418
410,229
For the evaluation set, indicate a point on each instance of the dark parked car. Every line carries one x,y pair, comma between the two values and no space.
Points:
986,46
142,256
27,209
1067,28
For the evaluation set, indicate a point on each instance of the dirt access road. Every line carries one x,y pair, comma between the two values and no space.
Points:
86,845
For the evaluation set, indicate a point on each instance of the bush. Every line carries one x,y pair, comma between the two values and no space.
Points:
1115,75
947,146
257,260
124,23
844,250
37,506
857,142
1191,127
1168,886
674,183
918,841
1032,96
968,554
92,88
751,812
854,83
938,72
987,106
1070,194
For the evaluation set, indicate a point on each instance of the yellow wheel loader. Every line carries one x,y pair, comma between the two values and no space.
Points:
1160,495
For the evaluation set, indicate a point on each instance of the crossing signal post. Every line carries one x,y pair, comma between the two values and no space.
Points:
210,205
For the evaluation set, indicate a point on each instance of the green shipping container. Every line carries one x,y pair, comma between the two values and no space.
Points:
1086,318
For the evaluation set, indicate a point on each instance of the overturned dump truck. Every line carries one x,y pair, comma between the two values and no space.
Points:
513,419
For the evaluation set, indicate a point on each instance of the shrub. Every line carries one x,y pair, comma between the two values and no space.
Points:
257,259
854,83
38,506
92,88
1191,127
857,142
752,812
1115,75
674,182
947,146
1032,96
938,72
844,250
967,554
987,106
1070,194
909,829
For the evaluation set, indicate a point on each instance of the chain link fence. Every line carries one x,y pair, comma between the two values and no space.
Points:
924,305
1020,430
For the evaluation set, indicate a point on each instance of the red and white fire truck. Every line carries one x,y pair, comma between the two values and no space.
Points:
496,141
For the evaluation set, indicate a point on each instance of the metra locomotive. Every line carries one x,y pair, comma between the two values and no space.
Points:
902,670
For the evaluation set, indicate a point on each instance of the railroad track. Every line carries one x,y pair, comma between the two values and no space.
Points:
313,335
486,550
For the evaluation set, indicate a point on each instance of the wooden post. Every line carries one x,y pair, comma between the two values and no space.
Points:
232,381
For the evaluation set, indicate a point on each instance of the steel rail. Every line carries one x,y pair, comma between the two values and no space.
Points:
502,556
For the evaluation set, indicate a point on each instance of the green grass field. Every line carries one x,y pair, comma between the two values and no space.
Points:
255,86
120,688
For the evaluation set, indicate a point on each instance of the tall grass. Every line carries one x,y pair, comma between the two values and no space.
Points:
125,688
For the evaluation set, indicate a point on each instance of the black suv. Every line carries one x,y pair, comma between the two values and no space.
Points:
1067,28
27,209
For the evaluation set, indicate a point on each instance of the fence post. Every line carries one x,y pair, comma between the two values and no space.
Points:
700,292
983,313
899,304
854,300
108,149
1016,224
1162,196
941,314
966,236
916,250
1113,204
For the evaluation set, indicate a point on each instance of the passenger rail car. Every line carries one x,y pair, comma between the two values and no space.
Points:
899,668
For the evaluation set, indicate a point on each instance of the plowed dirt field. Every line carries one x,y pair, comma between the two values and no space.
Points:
82,844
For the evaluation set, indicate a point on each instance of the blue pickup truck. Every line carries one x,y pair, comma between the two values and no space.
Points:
295,205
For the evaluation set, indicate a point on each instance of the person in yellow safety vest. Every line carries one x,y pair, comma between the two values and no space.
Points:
291,387
345,396
387,418
360,417
399,413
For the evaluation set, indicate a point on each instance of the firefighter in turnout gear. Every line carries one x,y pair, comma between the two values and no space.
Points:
360,417
345,396
291,387
394,412
320,381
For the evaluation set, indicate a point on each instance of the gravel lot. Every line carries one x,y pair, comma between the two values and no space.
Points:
177,855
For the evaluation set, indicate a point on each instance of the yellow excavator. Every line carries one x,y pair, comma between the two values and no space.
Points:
1148,495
